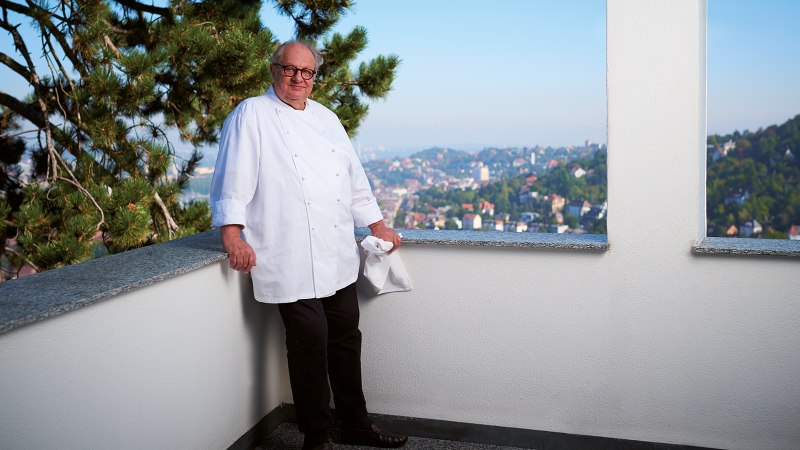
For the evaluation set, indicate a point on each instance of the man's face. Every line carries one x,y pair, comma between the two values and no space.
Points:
294,90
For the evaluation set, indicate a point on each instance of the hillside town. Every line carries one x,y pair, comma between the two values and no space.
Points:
399,183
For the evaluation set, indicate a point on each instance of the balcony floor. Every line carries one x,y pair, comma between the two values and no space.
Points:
286,437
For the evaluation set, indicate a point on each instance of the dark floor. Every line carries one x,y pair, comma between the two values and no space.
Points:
286,437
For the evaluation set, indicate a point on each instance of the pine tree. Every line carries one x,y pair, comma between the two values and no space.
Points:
12,147
119,75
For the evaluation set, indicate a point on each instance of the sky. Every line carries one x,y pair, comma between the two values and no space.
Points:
532,72
753,64
477,73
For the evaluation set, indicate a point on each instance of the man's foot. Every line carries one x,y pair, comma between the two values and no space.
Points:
374,436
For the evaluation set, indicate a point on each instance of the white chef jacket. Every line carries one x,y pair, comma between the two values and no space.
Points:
293,179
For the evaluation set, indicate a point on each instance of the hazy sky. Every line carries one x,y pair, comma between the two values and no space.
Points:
527,72
753,59
478,73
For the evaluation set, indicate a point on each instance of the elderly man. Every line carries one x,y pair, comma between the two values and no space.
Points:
287,191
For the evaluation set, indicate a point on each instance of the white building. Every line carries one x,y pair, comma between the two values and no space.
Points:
471,221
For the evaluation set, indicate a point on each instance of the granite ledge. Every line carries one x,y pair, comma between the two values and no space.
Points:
585,242
745,246
54,292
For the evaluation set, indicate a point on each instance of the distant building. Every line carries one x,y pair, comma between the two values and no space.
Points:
723,151
737,197
538,227
486,208
732,231
579,172
415,219
436,221
528,216
493,225
526,194
481,173
555,228
556,202
750,228
471,221
516,227
794,232
579,208
595,213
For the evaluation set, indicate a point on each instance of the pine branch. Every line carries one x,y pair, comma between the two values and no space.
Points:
12,64
28,261
111,45
66,76
171,225
25,110
13,135
35,12
35,81
53,157
152,9
34,116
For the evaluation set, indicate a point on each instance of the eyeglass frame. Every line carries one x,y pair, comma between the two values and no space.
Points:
294,71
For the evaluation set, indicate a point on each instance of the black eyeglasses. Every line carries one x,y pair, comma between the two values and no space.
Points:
289,71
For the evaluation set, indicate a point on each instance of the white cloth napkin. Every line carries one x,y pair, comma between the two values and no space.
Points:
385,272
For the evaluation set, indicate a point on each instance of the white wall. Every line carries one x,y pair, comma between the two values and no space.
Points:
188,363
646,341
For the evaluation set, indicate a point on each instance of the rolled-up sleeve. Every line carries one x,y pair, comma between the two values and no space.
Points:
236,172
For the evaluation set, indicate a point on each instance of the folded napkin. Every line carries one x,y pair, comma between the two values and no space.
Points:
385,272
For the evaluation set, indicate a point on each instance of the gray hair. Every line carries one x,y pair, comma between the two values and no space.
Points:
278,54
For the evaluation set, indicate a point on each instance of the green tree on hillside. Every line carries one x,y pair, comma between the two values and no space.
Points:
765,165
117,76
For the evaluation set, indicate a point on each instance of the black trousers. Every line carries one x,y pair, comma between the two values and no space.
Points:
323,341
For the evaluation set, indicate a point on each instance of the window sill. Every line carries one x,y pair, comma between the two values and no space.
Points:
744,246
583,242
55,292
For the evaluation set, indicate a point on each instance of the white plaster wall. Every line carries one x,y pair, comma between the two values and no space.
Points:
188,363
646,341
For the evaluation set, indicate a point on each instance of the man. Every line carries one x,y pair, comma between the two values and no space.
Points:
287,191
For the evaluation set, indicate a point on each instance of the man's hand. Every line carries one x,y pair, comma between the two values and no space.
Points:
381,231
241,255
